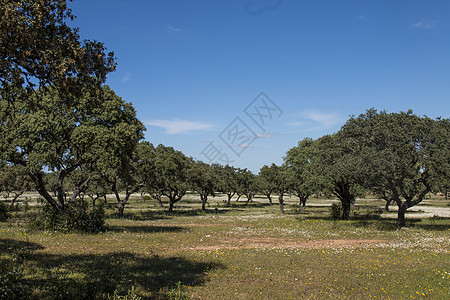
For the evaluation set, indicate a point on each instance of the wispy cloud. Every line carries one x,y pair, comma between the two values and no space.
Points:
424,25
312,120
179,126
362,18
126,78
246,146
266,135
171,28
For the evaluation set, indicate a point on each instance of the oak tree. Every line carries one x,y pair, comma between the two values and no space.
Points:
92,133
402,156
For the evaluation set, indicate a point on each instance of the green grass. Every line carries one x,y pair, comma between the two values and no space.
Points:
239,252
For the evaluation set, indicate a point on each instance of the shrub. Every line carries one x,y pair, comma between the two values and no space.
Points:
335,211
3,212
76,217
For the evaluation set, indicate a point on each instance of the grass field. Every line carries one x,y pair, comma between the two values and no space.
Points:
243,252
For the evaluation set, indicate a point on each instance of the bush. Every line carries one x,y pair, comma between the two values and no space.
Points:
3,212
335,211
76,217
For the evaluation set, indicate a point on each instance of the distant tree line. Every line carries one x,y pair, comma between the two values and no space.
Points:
400,157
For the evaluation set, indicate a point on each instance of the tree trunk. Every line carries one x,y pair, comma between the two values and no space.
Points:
346,204
388,203
76,192
229,199
170,205
143,196
281,201
270,199
16,196
121,207
158,198
204,200
401,215
343,193
302,202
41,189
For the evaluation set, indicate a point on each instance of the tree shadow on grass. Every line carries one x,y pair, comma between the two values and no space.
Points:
101,275
11,246
195,212
149,215
385,223
95,276
434,224
245,205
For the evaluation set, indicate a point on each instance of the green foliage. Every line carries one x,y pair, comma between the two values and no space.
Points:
77,217
39,49
247,183
171,173
304,179
400,156
14,179
267,180
203,180
3,212
227,182
70,139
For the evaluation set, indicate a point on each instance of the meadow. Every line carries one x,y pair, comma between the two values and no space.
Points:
246,251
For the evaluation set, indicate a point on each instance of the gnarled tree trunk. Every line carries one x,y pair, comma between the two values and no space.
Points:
281,202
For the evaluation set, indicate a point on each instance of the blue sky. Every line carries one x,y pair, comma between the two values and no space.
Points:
191,68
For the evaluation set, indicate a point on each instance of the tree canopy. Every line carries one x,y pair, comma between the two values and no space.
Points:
171,173
402,157
93,133
38,49
299,161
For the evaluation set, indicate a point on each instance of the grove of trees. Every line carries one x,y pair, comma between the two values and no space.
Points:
65,134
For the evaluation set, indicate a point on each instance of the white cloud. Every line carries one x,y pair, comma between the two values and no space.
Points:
171,28
313,120
126,78
179,126
424,25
